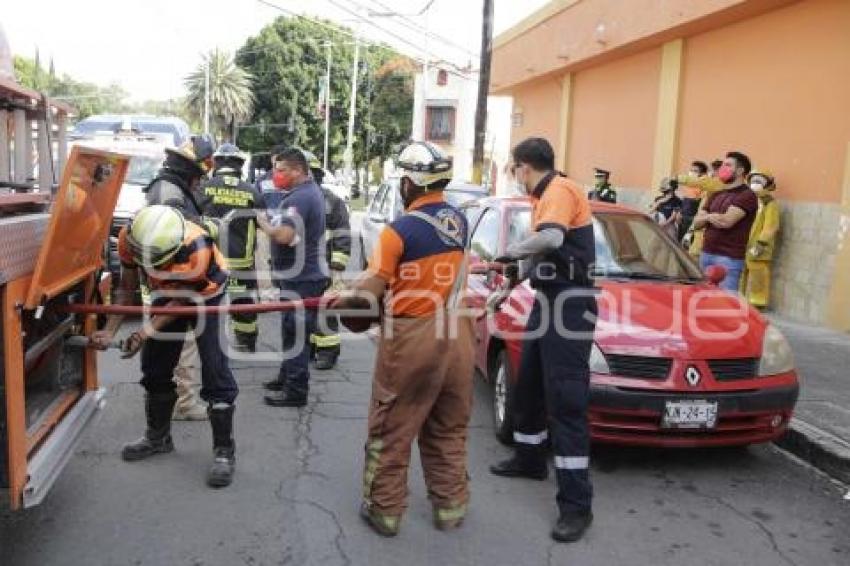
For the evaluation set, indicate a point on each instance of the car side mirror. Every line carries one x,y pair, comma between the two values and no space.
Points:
715,274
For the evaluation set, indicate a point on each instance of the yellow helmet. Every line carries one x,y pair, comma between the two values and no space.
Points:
765,174
425,164
155,234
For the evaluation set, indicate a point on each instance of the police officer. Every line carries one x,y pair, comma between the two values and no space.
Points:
422,387
176,185
602,189
178,261
231,200
551,395
325,341
296,229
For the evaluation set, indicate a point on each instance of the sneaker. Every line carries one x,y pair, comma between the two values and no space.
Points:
517,468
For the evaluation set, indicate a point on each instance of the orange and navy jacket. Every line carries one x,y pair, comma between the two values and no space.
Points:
418,263
558,202
197,266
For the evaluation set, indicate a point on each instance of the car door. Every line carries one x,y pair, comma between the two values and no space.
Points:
484,248
374,220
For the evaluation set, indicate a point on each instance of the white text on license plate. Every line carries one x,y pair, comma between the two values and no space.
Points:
690,414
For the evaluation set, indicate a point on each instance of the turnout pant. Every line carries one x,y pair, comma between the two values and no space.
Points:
161,353
422,388
755,282
326,335
553,389
296,328
243,291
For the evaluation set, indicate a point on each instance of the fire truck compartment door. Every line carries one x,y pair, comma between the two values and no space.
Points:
80,217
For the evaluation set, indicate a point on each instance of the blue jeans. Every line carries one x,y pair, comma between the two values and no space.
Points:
734,269
296,327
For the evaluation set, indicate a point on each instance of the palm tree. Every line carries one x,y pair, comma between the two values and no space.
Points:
231,97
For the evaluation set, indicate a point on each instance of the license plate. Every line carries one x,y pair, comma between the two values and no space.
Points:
690,414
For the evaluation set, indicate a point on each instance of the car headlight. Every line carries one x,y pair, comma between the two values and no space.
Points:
776,354
597,362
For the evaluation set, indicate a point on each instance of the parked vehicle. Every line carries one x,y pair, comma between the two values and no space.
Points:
386,206
175,130
676,361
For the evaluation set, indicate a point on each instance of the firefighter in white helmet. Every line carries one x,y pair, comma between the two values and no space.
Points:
422,385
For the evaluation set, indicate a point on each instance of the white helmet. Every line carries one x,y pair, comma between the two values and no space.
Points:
425,164
155,234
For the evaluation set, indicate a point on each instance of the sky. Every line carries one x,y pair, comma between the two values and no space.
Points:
148,46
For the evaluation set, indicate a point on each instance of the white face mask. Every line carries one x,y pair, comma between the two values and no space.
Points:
757,187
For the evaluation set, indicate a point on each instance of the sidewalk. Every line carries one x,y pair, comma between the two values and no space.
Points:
820,431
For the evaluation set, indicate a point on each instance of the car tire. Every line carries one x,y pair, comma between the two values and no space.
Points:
501,377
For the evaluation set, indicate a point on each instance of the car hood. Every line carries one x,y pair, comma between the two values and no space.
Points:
677,321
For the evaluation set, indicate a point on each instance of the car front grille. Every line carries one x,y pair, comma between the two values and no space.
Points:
733,369
641,367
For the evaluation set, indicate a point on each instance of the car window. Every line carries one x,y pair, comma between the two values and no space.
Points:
386,203
631,245
485,239
142,169
457,198
375,205
519,225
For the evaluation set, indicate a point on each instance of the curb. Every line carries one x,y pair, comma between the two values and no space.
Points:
819,448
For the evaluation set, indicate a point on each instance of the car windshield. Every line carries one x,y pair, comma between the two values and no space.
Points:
95,126
142,169
628,246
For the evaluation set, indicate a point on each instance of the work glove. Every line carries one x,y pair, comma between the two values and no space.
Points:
101,339
688,240
131,346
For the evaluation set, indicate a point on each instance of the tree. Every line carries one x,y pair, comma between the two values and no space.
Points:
231,97
288,60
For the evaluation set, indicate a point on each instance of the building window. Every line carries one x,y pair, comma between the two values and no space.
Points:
441,123
442,77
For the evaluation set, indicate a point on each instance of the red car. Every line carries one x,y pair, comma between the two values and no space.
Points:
676,362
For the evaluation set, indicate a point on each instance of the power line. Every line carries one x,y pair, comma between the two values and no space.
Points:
412,25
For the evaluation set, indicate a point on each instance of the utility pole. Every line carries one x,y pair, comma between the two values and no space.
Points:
349,145
207,95
483,89
327,104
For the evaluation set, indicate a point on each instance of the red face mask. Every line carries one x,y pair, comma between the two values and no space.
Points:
726,174
281,180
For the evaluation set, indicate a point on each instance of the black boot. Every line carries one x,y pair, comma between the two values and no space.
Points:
275,384
571,526
246,342
527,462
326,358
157,439
286,398
224,448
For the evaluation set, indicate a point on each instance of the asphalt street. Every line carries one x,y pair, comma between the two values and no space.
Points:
296,495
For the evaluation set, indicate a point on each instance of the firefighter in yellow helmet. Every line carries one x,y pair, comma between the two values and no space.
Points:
697,186
422,386
755,283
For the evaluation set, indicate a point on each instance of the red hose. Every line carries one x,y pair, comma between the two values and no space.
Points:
192,310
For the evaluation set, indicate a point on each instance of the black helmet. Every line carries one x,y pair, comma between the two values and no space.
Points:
193,158
228,156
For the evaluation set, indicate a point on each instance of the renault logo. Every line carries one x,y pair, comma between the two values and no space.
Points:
693,376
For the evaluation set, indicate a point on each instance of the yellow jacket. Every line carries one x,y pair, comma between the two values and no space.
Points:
706,184
765,229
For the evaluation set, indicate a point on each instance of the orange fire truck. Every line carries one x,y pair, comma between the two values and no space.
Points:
54,221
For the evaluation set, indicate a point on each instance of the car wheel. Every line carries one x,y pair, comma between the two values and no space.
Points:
502,380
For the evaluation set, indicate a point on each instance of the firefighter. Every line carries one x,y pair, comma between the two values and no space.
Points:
176,185
180,264
755,283
296,229
233,201
422,385
704,186
552,392
602,189
325,341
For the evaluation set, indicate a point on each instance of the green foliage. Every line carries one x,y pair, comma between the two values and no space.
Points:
86,98
288,61
231,98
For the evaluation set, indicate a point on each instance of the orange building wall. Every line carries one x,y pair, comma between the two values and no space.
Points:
614,120
539,104
778,88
